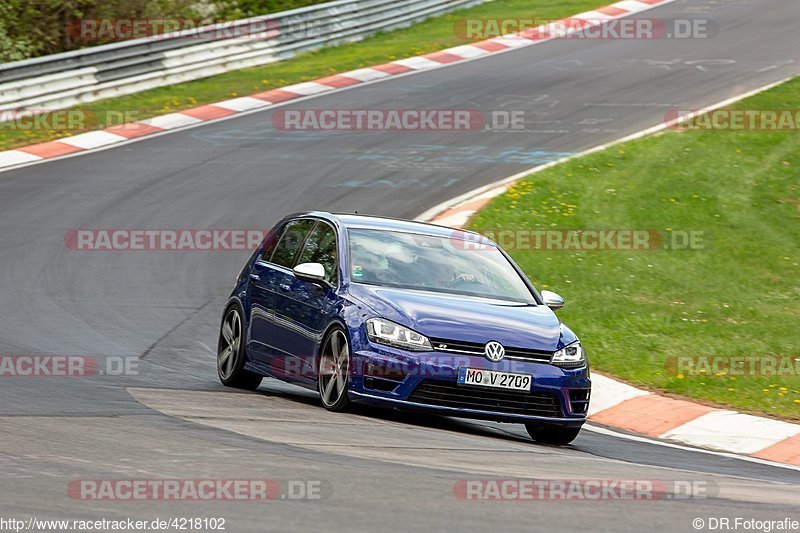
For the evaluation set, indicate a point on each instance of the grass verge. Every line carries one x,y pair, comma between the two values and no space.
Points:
737,295
428,36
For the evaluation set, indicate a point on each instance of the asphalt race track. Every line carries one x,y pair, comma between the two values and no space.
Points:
378,470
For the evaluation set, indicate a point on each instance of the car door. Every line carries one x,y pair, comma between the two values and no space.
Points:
269,272
302,308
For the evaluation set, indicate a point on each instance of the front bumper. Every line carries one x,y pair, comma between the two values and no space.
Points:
427,381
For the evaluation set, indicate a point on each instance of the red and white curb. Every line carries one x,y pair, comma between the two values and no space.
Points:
101,139
622,406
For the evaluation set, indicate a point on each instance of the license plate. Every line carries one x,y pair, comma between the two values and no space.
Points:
494,379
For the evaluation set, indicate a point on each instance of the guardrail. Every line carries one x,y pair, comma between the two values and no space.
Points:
63,80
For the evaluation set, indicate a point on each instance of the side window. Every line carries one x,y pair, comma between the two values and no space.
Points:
321,248
292,239
272,239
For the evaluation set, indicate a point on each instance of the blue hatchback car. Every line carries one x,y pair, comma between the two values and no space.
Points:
408,315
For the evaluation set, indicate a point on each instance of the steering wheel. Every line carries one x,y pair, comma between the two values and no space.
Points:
459,283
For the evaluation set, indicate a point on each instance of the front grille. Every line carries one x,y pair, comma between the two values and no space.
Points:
444,394
476,348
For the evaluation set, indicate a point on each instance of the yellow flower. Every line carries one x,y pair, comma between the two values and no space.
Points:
680,376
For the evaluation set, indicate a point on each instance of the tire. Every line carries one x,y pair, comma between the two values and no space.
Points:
333,371
230,353
557,435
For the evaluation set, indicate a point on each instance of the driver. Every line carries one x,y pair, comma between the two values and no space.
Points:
442,274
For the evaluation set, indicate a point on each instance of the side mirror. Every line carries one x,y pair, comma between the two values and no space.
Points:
552,300
313,272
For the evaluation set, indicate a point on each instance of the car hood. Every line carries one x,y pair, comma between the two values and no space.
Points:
465,318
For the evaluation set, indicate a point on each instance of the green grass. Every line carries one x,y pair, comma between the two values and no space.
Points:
739,295
428,36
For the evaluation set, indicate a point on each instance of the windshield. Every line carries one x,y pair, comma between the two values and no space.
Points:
410,260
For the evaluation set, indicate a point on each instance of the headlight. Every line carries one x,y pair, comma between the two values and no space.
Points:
385,332
571,356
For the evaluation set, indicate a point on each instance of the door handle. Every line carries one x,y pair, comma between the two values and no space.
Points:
285,287
255,277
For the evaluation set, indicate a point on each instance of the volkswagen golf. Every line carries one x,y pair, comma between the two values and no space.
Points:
407,315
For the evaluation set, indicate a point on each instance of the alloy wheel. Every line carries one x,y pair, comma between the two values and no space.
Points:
229,342
334,368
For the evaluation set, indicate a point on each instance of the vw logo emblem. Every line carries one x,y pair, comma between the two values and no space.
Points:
494,351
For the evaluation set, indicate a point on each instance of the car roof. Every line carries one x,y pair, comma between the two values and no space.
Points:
353,220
